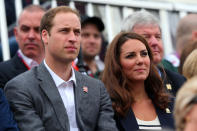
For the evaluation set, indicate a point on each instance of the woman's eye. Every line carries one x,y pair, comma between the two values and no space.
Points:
130,56
144,53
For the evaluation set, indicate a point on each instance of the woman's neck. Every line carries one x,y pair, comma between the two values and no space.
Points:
138,91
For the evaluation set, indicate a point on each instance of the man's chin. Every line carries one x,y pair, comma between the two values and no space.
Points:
157,61
31,54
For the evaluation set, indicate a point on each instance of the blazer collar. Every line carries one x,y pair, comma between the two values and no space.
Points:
129,122
81,98
166,118
49,88
17,62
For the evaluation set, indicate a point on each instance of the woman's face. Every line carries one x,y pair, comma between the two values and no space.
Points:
191,120
134,60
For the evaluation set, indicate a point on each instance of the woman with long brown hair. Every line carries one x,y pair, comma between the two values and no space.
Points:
136,89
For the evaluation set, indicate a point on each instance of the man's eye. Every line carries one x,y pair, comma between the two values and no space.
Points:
146,36
85,35
97,36
158,36
25,28
77,33
36,29
64,30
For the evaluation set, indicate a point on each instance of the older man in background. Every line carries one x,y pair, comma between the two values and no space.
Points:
147,25
31,49
185,33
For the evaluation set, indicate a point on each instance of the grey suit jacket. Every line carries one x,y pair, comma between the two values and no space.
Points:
37,104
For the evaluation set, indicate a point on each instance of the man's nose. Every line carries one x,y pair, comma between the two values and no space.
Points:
153,41
92,39
31,34
72,37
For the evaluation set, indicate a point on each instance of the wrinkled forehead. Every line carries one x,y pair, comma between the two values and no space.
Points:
145,28
34,16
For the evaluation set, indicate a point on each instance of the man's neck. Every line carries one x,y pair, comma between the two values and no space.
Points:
61,69
92,65
38,58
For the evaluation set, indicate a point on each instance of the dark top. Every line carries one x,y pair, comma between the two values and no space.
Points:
129,122
11,68
172,80
7,122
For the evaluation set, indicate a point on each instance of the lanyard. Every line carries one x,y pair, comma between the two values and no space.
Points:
26,65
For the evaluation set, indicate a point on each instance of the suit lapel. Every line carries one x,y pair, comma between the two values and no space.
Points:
49,88
129,122
18,64
165,118
81,99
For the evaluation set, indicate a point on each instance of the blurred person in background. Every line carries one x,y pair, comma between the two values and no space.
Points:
31,49
136,89
186,32
185,110
190,65
11,23
146,24
91,43
192,45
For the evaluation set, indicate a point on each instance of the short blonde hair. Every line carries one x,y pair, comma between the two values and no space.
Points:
190,65
183,102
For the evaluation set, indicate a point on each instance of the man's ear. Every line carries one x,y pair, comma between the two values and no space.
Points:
45,36
194,35
16,33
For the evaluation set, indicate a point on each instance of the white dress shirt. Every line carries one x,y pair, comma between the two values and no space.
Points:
29,62
66,91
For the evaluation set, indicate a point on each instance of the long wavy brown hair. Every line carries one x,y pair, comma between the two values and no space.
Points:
116,81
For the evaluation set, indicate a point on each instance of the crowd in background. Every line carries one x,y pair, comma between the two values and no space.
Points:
64,76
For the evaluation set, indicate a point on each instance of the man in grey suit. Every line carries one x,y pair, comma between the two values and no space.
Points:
53,96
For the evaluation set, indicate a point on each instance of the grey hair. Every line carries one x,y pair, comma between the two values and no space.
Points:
31,8
141,17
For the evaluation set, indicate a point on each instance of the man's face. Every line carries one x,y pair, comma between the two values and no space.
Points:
62,44
152,34
27,34
90,41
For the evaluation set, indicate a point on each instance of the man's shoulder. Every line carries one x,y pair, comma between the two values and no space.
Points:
175,79
24,77
174,75
8,63
12,63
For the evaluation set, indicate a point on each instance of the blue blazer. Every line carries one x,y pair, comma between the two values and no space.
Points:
7,122
175,80
129,122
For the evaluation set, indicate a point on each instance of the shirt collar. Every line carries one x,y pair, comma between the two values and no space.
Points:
27,60
58,81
